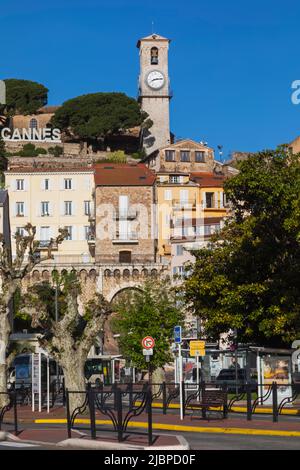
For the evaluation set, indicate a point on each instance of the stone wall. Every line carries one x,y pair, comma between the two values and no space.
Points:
143,250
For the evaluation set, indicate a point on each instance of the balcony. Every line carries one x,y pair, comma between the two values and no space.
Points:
44,245
122,238
91,240
167,249
185,204
129,214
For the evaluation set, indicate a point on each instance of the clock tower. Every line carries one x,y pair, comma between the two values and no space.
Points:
154,90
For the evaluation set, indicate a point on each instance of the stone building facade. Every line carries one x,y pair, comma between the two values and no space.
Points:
124,223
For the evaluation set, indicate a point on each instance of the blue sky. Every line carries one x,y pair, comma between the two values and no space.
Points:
232,62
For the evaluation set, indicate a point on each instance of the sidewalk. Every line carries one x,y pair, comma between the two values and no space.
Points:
235,424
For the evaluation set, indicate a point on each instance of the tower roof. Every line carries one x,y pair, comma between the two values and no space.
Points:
152,37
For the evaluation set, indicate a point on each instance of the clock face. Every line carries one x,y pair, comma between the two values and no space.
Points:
155,79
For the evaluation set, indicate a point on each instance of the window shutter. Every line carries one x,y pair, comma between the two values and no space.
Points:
25,210
168,194
216,200
74,232
87,185
62,208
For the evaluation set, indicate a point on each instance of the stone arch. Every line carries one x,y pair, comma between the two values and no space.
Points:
119,291
46,275
36,276
154,273
145,272
83,275
92,274
135,274
107,273
126,273
117,274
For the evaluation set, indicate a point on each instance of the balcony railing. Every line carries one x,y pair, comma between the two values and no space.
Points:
184,204
127,237
128,214
44,245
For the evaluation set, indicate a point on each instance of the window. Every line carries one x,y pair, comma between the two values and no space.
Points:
200,157
125,257
45,235
68,208
33,124
87,232
87,207
168,194
20,231
179,250
20,209
69,229
174,179
20,185
154,56
209,200
184,156
68,183
170,155
45,208
46,185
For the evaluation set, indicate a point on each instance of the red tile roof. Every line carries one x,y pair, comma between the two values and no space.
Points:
123,174
206,179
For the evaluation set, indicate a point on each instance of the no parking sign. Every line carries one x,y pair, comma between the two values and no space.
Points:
148,342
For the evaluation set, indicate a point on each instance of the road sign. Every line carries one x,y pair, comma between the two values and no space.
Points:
177,334
197,348
148,342
148,352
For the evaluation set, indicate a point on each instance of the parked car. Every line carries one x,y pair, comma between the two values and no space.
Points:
228,377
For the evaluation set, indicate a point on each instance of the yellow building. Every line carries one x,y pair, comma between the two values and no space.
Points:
190,196
53,198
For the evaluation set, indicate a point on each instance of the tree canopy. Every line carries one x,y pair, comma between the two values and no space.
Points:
248,278
97,115
150,310
24,96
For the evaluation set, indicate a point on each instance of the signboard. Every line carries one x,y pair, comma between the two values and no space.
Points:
197,348
148,352
177,334
35,373
45,134
277,369
148,342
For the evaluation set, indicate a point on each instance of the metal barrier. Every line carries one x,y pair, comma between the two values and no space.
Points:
97,399
12,403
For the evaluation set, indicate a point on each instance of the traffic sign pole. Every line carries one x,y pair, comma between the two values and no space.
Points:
180,381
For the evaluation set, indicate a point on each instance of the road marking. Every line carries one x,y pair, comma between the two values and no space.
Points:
16,444
181,427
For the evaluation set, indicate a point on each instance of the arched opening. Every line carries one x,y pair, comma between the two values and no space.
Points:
33,124
154,56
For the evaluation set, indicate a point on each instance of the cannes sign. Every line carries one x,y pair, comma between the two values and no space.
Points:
37,135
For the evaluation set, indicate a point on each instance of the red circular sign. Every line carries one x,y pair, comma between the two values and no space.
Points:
148,342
